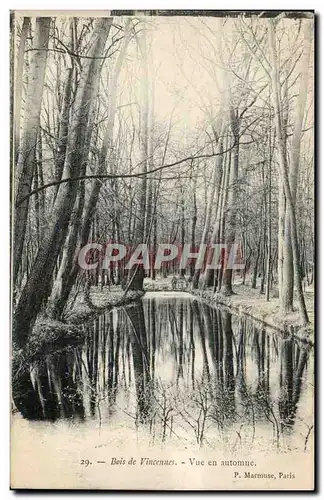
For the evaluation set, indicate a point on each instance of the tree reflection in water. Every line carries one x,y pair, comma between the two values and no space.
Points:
177,367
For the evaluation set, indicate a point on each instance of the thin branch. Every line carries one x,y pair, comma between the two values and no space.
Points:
120,176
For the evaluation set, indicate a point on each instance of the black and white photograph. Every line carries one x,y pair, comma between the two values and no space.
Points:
162,171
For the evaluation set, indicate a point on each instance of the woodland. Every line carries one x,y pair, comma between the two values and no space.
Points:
161,129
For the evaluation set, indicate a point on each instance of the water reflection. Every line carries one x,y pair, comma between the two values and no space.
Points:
177,367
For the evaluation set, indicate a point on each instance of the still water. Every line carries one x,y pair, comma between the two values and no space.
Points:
173,369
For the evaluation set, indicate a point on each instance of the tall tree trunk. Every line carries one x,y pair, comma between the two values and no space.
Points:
269,235
18,86
214,184
183,229
227,174
149,203
136,274
154,249
37,288
282,199
264,228
284,170
281,233
288,275
230,240
70,271
63,128
210,274
256,266
193,226
29,139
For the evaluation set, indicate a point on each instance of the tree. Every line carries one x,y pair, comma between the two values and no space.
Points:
283,172
69,267
288,265
38,285
26,164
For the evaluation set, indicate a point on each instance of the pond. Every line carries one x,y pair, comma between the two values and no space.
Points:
174,371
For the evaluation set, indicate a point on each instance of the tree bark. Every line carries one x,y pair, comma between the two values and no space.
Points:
71,268
136,274
37,288
29,138
19,84
193,226
230,240
214,184
288,275
284,170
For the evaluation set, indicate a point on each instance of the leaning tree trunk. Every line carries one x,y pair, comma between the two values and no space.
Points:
56,301
69,269
37,288
63,128
29,138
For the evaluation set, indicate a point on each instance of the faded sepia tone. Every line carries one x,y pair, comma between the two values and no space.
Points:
138,129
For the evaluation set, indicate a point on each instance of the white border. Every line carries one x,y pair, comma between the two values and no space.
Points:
4,184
